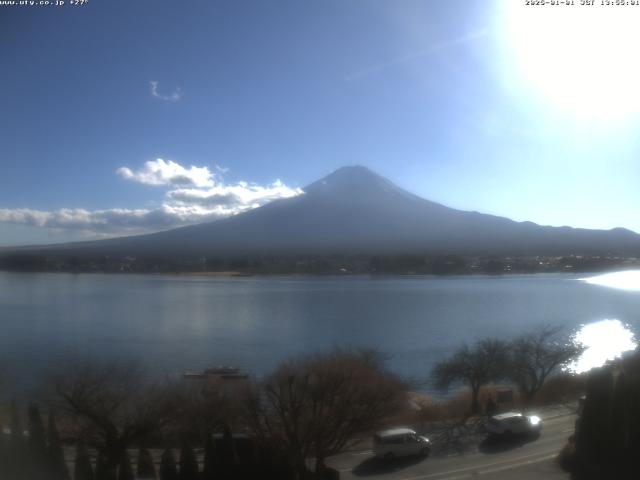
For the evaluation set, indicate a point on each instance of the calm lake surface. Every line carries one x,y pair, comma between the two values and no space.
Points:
175,323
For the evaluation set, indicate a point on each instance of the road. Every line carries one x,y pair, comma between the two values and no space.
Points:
522,460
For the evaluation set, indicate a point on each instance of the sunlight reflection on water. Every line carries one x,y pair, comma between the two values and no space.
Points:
609,338
603,340
626,280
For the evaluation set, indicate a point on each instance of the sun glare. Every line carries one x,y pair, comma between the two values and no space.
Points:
582,58
626,280
603,341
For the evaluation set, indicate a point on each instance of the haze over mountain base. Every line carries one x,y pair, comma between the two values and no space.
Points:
352,212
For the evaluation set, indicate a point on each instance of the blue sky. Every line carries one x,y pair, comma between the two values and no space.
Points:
481,105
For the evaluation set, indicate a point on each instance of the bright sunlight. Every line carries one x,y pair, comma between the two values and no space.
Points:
625,280
582,58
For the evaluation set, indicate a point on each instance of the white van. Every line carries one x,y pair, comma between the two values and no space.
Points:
400,442
513,423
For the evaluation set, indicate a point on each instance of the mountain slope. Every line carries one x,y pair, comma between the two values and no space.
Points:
354,210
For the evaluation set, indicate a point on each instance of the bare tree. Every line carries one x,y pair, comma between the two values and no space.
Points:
202,411
112,406
474,366
316,406
537,355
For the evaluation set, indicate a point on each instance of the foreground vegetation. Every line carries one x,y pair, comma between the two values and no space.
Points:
526,362
310,407
606,443
122,426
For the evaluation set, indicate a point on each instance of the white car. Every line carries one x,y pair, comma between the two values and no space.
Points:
400,442
513,423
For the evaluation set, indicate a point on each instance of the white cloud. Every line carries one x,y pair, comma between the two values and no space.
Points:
204,201
174,97
240,194
112,221
213,197
158,172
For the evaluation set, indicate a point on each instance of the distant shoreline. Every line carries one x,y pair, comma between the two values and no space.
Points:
322,265
236,274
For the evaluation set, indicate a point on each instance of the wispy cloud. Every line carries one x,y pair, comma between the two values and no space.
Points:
194,195
220,169
377,68
155,92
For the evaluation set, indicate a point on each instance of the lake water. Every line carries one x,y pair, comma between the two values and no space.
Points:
176,323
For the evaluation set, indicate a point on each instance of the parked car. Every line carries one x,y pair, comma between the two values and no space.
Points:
400,442
513,423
